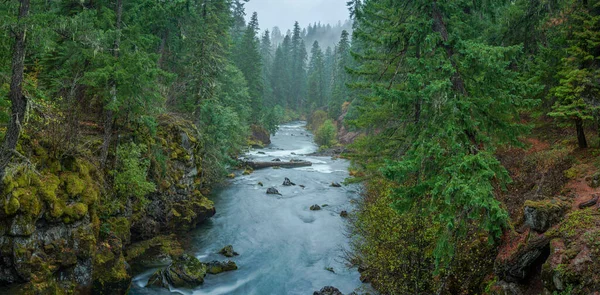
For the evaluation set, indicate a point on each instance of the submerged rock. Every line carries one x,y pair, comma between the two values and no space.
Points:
273,191
288,182
344,213
276,160
217,267
227,251
336,184
315,207
328,290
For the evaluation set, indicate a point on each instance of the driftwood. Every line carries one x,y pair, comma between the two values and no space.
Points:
291,164
589,203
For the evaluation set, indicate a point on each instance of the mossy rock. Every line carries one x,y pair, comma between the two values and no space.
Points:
217,267
541,215
158,251
574,254
186,272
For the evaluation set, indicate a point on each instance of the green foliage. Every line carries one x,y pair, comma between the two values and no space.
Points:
326,134
130,177
441,99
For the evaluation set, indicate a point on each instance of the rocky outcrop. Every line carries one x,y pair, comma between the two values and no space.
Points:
186,272
178,205
62,231
541,215
328,290
574,258
519,255
260,137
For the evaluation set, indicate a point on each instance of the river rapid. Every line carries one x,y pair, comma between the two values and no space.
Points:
284,247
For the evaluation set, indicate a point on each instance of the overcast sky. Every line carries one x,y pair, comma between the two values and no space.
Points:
283,13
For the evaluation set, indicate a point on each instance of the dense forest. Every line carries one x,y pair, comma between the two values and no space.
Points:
473,126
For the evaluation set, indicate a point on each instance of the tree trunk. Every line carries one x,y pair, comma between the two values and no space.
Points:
109,115
17,99
580,133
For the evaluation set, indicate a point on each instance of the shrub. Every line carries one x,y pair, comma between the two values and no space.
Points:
316,120
326,134
132,171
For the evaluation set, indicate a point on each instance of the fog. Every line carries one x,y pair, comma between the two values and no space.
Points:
283,13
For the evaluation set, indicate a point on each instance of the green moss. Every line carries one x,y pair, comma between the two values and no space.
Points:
167,245
74,212
120,226
49,185
11,206
74,184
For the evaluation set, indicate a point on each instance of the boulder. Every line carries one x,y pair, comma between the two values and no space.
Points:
288,182
541,215
186,272
344,213
260,137
227,251
276,160
328,290
315,207
519,254
217,267
574,258
593,180
336,184
273,191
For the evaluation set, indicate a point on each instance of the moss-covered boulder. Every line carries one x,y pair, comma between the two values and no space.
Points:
156,252
185,272
217,267
541,215
574,260
260,137
111,273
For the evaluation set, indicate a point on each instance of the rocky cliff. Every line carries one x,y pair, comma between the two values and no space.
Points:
63,230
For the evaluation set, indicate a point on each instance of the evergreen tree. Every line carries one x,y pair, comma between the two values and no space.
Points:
444,99
316,77
247,57
339,93
578,92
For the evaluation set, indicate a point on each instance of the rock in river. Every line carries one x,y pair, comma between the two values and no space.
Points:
315,207
227,251
187,272
336,184
288,182
329,290
273,191
217,267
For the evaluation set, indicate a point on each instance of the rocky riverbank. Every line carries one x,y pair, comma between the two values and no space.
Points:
62,231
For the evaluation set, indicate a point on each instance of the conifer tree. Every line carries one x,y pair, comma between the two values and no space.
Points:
444,99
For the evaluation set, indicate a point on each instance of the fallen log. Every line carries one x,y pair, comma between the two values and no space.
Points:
291,164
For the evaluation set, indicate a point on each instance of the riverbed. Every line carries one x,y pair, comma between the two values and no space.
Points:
284,247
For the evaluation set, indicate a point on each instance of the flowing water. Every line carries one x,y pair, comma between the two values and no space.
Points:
284,247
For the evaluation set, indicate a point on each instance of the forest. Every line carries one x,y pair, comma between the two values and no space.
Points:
471,127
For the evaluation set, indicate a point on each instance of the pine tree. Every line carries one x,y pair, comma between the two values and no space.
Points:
247,57
339,93
578,92
316,78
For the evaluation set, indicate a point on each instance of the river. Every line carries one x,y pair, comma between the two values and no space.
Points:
284,247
